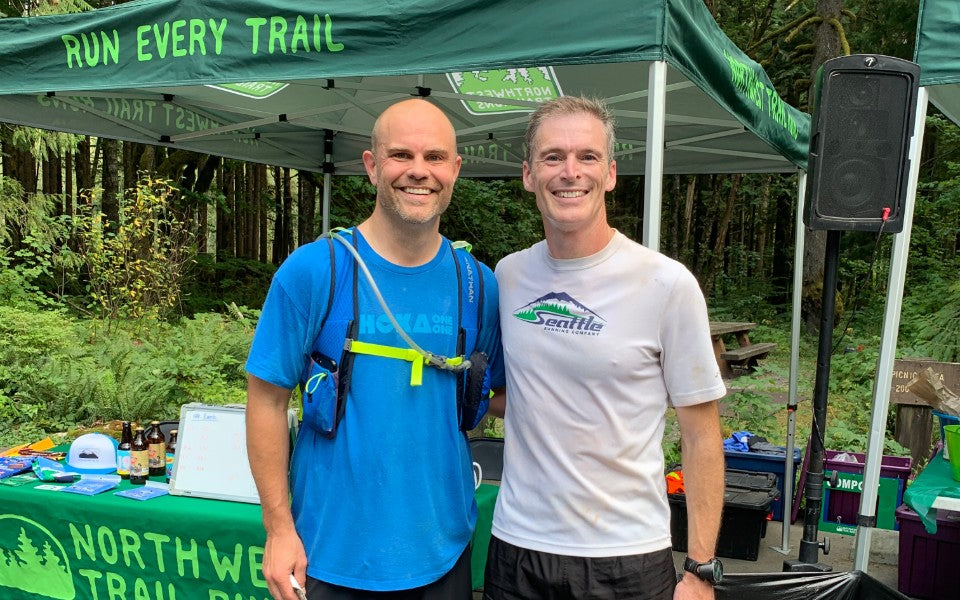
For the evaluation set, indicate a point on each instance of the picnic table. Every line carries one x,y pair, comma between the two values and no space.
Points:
746,355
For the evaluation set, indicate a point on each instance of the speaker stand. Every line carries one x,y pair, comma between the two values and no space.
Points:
813,490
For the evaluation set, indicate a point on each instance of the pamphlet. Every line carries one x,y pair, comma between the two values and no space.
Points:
21,479
90,487
152,489
13,465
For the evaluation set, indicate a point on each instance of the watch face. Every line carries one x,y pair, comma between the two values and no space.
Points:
717,571
710,571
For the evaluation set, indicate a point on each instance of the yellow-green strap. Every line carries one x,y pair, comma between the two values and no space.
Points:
415,359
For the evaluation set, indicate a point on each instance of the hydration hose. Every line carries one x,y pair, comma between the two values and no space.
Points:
455,365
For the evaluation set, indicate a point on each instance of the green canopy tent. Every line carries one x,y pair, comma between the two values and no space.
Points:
937,51
282,83
269,81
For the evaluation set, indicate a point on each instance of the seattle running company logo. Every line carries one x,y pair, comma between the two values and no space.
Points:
561,313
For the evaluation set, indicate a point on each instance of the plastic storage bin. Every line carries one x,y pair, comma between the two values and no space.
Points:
843,506
745,511
944,419
929,566
766,463
488,453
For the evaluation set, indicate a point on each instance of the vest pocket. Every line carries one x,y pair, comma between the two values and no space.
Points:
321,402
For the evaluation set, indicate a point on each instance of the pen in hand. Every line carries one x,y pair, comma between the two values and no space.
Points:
301,595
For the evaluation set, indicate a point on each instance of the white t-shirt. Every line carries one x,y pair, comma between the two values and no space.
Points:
595,349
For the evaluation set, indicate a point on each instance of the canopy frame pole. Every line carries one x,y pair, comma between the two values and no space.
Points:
653,171
788,476
327,176
888,347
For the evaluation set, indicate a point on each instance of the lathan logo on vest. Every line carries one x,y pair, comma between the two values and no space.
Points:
561,313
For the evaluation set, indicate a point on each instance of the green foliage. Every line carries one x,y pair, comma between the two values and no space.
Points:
135,266
938,332
496,216
34,257
210,285
56,371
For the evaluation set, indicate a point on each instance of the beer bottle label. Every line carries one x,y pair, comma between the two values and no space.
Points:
157,455
169,465
123,462
139,463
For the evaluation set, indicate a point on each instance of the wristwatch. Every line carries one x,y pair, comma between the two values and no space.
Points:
710,571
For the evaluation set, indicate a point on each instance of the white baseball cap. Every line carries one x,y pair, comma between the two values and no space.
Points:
93,453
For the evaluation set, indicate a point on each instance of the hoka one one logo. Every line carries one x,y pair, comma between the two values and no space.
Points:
561,313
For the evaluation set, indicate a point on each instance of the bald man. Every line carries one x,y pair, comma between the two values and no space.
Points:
384,504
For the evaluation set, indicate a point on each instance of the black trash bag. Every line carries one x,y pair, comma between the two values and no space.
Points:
835,585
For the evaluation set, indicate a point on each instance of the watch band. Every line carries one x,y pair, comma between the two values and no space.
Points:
710,571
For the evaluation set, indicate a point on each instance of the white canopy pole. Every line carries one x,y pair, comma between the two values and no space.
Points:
326,202
788,477
888,345
653,173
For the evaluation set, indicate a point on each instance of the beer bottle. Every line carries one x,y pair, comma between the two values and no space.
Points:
171,450
139,458
123,451
157,449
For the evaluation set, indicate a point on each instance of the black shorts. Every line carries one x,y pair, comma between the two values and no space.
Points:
515,573
455,585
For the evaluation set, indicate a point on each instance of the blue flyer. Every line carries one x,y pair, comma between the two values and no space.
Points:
90,487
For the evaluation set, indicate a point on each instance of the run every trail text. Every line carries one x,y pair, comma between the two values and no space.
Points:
189,37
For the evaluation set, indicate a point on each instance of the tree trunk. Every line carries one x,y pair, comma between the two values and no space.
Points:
110,203
278,241
308,206
827,46
82,166
264,224
224,237
688,213
781,276
253,218
289,244
722,228
763,231
69,199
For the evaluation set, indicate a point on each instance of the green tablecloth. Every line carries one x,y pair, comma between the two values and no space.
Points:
55,544
66,546
486,496
935,480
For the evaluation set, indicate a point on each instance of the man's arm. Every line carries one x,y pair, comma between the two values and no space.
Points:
268,448
703,481
498,402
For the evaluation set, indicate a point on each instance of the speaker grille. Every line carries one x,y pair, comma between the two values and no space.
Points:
858,152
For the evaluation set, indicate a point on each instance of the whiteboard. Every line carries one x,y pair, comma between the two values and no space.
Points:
211,458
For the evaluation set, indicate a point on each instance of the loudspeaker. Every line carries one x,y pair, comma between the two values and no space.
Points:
863,119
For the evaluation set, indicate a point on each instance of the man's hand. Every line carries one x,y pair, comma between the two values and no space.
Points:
283,554
692,587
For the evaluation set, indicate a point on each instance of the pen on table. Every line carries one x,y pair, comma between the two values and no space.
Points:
296,587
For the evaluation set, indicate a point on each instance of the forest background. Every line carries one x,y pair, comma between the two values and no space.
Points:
131,275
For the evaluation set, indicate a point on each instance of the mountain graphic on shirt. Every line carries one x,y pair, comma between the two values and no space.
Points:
560,304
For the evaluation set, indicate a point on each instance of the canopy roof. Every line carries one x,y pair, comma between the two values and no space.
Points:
938,54
179,73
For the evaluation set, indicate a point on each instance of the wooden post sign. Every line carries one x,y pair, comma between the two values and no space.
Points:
906,369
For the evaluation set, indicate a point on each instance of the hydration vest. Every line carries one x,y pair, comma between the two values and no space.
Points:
325,382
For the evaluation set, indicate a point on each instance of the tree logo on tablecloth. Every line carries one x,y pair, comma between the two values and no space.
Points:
32,560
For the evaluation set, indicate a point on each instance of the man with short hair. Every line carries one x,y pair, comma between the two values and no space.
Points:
600,335
383,500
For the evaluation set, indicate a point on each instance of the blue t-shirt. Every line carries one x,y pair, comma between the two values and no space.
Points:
387,504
